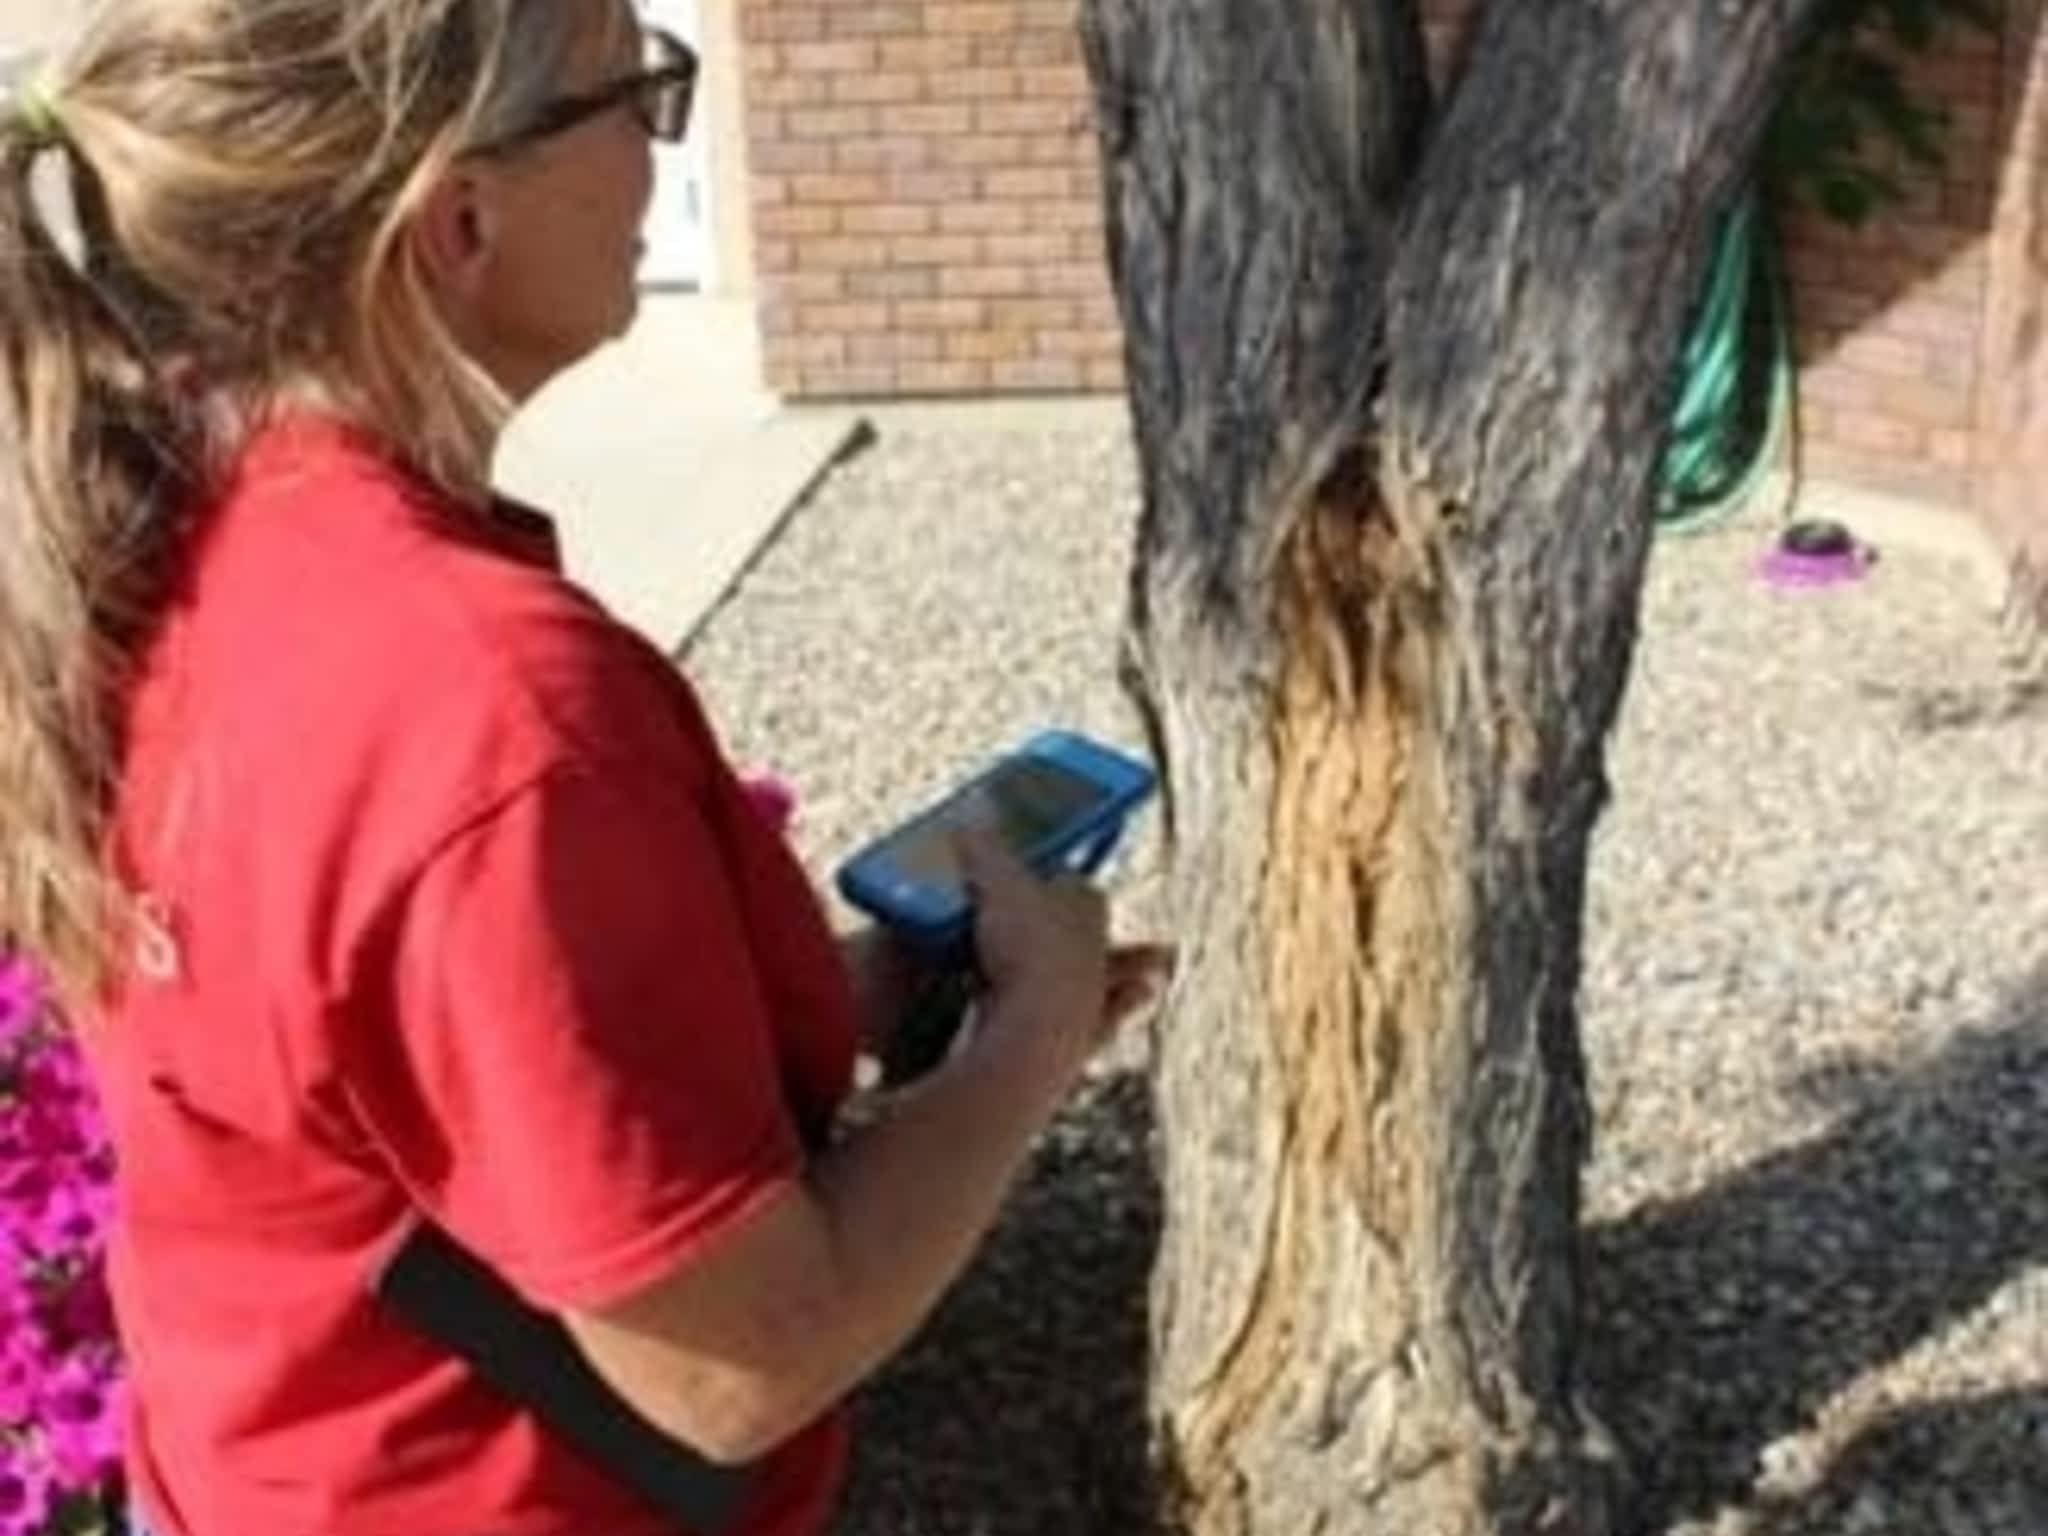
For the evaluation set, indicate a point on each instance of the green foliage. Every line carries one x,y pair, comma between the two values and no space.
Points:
1848,120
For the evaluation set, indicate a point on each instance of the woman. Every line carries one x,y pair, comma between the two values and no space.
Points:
391,881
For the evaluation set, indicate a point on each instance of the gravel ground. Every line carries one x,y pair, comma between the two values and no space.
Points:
1817,1014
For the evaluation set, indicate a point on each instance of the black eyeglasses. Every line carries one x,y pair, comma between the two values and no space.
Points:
661,94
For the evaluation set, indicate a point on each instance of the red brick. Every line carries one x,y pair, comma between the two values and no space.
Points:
787,90
893,348
798,351
837,187
1038,50
926,55
1076,151
1080,215
1880,433
1884,354
987,346
1047,373
1080,344
891,152
1837,384
849,379
1952,449
1925,404
880,87
1036,183
933,118
1100,313
1082,278
1954,366
1032,117
802,287
1106,374
983,18
1031,248
976,151
830,122
1067,82
954,378
930,186
1034,314
986,282
970,85
879,218
846,319
786,157
979,217
773,23
1058,16
942,314
935,250
1933,319
867,18
833,58
893,283
797,219
839,253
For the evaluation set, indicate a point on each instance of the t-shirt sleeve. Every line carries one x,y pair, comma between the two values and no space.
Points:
579,1081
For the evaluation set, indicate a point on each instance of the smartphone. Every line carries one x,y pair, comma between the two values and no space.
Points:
1059,802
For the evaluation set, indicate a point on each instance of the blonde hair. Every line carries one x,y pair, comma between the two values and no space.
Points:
232,166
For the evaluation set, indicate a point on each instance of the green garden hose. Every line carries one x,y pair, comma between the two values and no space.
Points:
1736,386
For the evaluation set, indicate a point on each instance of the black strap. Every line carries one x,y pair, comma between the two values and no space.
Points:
453,1298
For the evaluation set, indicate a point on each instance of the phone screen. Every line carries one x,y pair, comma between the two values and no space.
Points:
1025,801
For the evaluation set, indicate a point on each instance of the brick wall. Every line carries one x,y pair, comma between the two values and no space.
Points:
925,198
2013,403
1892,315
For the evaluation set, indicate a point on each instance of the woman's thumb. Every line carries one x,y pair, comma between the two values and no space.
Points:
985,863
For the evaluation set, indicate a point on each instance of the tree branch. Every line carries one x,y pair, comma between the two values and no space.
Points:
1256,154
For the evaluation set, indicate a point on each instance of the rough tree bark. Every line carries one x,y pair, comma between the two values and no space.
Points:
1399,378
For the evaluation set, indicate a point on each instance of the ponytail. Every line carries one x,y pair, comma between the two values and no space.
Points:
92,464
242,174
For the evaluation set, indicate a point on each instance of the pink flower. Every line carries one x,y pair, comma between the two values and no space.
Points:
17,1373
81,1314
26,1500
81,1424
774,797
60,1367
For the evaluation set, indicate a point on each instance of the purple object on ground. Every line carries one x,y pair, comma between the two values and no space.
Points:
1789,568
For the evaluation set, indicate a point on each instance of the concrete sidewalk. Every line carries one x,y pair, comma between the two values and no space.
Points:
666,465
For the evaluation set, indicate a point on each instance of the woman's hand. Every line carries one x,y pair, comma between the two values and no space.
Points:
1043,947
885,974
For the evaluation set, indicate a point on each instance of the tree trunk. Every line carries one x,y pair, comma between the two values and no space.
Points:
1400,388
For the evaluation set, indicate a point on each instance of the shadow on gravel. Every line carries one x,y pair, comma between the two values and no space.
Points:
1020,1409
1720,1322
1948,710
1717,1324
1976,1465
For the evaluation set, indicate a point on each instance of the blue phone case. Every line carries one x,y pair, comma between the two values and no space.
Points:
935,916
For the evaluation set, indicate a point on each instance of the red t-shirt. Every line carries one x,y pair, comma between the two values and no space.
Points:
461,913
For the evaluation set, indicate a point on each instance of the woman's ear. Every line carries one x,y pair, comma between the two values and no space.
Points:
455,233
